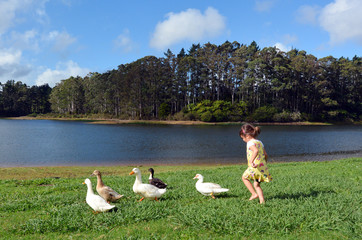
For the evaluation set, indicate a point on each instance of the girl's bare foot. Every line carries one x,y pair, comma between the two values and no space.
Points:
262,202
253,197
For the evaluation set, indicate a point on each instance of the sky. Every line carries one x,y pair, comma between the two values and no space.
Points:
46,41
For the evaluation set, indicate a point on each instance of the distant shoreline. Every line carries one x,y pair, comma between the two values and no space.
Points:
171,122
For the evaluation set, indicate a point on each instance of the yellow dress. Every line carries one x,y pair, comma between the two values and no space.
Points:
261,172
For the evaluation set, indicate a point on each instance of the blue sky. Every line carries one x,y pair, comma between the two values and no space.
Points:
45,41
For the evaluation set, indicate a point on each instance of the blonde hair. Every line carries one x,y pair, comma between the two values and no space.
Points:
248,129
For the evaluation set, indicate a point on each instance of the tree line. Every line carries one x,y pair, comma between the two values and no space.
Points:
227,82
18,99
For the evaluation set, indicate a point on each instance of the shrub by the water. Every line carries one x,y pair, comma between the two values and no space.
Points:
207,117
263,114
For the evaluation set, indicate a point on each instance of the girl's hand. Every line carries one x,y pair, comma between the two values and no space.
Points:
254,165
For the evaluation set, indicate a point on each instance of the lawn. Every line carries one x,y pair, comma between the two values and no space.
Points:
306,200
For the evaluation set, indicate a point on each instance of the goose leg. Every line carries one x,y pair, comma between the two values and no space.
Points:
142,199
212,195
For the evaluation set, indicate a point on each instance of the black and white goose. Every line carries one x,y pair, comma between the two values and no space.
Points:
155,181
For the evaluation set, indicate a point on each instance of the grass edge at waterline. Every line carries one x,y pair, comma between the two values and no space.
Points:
317,200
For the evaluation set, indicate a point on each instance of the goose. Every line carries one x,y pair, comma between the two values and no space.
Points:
145,190
104,191
95,201
155,181
206,189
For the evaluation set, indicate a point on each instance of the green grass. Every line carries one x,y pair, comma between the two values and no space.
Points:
306,200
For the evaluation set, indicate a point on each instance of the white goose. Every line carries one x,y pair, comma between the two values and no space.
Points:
206,189
95,201
145,190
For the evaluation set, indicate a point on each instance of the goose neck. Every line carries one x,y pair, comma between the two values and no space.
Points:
138,177
90,190
99,181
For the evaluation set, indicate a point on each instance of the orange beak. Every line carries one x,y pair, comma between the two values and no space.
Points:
131,173
83,183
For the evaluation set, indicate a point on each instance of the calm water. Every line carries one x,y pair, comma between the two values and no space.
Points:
61,143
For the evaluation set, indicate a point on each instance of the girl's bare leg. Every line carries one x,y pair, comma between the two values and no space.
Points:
249,186
259,192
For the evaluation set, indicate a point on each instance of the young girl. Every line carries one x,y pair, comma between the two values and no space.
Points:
257,157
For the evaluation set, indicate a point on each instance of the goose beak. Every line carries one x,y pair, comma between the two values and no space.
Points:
83,183
195,177
131,173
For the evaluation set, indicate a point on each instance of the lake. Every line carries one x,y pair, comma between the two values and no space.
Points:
70,143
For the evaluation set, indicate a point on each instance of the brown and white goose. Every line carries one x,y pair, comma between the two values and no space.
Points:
104,191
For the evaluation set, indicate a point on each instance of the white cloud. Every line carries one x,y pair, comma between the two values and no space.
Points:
342,19
67,2
19,49
11,67
287,40
60,40
10,8
8,56
189,25
24,41
16,65
263,6
308,14
282,47
7,14
124,42
62,71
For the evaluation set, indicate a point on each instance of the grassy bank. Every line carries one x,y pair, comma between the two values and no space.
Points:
306,200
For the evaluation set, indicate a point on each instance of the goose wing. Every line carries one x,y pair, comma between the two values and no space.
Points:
212,185
150,191
108,193
210,188
157,183
98,203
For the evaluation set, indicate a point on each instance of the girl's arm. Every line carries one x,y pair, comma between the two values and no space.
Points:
253,155
266,156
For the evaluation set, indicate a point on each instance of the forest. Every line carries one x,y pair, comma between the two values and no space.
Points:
212,83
